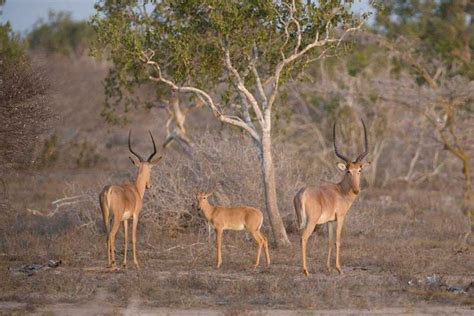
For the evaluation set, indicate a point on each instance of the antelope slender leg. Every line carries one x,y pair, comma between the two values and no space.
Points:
134,240
265,243
125,246
304,240
260,242
219,247
330,244
113,233
109,259
340,222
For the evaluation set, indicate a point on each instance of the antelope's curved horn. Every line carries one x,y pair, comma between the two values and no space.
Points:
335,146
154,147
366,145
130,147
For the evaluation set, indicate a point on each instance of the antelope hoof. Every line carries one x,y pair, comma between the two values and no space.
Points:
124,265
329,269
137,265
305,272
339,269
114,268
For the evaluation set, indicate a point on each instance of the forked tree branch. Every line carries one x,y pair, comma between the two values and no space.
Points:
245,110
455,148
302,52
260,89
242,88
147,57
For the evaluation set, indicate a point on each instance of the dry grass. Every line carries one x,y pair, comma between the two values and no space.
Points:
180,273
385,249
397,233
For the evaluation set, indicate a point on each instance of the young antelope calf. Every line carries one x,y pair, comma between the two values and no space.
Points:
233,218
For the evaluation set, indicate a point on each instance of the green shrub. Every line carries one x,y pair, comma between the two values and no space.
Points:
60,34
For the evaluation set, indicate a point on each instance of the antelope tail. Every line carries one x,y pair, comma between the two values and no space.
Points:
104,198
299,209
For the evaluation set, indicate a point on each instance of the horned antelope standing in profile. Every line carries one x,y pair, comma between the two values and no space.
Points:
233,218
329,203
124,201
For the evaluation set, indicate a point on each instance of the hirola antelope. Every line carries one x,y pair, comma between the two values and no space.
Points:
124,201
233,218
330,202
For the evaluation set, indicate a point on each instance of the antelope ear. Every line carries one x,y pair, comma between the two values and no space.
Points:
156,160
341,166
134,161
366,164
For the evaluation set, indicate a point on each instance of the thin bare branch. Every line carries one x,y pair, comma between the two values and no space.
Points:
204,96
58,204
260,89
242,88
245,110
295,56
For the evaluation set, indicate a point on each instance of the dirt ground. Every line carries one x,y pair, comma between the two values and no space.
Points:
178,276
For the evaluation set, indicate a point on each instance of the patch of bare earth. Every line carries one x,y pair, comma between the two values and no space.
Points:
178,275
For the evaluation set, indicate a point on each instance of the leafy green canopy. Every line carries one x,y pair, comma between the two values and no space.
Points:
61,34
440,29
188,37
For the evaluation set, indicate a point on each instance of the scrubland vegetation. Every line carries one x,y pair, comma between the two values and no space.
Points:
406,242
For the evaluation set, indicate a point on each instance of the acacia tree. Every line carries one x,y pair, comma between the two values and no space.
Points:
231,55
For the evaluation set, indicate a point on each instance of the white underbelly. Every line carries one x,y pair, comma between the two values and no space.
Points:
235,226
126,215
324,218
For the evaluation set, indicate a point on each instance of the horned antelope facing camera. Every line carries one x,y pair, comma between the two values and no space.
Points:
329,203
124,201
233,218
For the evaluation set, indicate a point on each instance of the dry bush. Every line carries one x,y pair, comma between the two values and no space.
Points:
227,163
24,112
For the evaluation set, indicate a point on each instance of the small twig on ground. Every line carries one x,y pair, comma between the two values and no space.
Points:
178,247
58,204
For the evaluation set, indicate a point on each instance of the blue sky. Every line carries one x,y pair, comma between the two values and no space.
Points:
22,14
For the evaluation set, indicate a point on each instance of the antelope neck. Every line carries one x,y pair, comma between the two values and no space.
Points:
140,183
207,209
345,185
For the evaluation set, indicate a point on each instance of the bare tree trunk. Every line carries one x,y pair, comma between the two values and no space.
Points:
468,203
468,208
268,168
